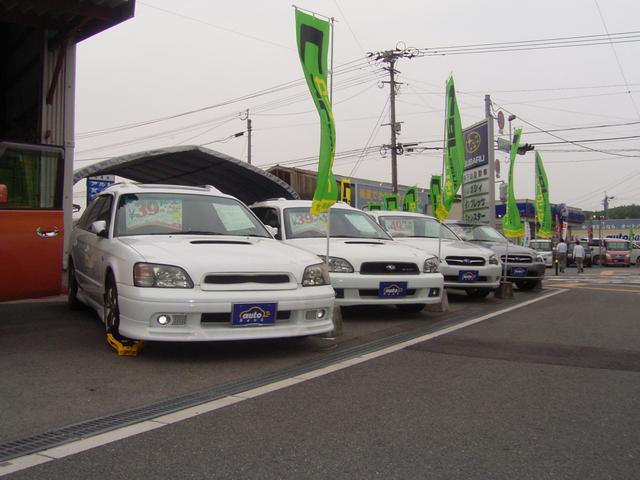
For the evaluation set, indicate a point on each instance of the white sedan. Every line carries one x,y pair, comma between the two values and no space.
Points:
464,265
367,266
176,263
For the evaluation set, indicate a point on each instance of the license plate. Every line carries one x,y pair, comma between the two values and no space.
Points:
253,314
519,271
392,289
468,275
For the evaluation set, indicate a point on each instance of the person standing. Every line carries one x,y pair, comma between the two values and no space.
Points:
578,256
561,248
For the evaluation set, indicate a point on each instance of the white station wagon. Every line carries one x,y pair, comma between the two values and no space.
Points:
178,263
464,265
366,265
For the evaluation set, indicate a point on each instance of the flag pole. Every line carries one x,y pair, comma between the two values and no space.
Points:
442,180
331,21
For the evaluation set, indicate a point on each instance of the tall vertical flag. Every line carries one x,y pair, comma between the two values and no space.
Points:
511,223
543,207
312,35
435,193
410,201
453,152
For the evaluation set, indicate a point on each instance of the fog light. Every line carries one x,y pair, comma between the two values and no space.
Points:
315,314
434,292
164,319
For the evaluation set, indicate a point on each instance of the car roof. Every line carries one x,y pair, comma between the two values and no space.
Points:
284,203
126,187
401,213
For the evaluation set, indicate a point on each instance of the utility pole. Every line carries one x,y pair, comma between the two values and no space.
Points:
390,57
394,138
245,116
605,202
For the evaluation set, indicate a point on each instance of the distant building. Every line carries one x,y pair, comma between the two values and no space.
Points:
363,191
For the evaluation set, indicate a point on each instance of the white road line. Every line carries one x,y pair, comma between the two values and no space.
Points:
28,461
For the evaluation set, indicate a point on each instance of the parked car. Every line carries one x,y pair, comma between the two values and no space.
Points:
464,265
367,266
616,252
177,263
545,249
635,253
523,265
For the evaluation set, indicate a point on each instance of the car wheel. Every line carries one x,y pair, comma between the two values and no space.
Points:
411,307
72,295
478,292
526,284
111,310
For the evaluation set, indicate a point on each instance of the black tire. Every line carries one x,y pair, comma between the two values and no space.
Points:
526,284
111,309
72,295
410,307
478,292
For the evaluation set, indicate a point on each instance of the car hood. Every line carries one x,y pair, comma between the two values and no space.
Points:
501,249
448,247
204,254
359,250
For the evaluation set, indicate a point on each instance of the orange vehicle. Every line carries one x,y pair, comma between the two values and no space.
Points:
31,220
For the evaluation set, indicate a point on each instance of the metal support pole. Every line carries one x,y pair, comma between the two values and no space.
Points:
248,138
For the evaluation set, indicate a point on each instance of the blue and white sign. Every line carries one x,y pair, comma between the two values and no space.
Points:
253,314
392,289
97,184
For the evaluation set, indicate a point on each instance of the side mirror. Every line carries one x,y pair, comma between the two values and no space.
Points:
99,227
272,230
4,195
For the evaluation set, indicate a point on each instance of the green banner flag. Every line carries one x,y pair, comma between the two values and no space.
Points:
391,201
435,193
453,152
410,201
632,235
511,223
543,207
312,35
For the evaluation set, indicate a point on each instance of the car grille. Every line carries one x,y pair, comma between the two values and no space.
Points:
389,268
225,317
517,259
465,261
246,278
454,278
373,292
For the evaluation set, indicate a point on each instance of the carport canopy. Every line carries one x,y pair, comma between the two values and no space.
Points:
193,165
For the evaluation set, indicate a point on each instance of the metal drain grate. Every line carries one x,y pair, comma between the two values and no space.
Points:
54,438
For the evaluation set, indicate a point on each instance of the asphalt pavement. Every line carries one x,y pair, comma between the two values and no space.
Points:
548,390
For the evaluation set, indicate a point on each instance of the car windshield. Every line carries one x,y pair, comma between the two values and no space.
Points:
423,227
478,233
541,246
299,223
184,214
617,245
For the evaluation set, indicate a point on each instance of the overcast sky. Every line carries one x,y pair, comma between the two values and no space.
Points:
221,58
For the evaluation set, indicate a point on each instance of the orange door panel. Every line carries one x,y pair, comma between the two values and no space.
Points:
31,246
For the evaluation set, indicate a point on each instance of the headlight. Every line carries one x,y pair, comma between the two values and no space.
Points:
160,276
315,275
431,265
493,260
338,265
539,259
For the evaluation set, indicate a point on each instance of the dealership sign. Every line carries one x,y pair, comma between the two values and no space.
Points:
477,184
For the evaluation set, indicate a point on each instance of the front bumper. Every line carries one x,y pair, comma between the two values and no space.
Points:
488,276
206,316
534,271
356,289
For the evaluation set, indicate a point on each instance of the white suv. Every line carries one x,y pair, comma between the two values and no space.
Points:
178,263
367,266
464,265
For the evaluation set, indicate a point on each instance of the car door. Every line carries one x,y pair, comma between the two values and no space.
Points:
91,248
31,221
